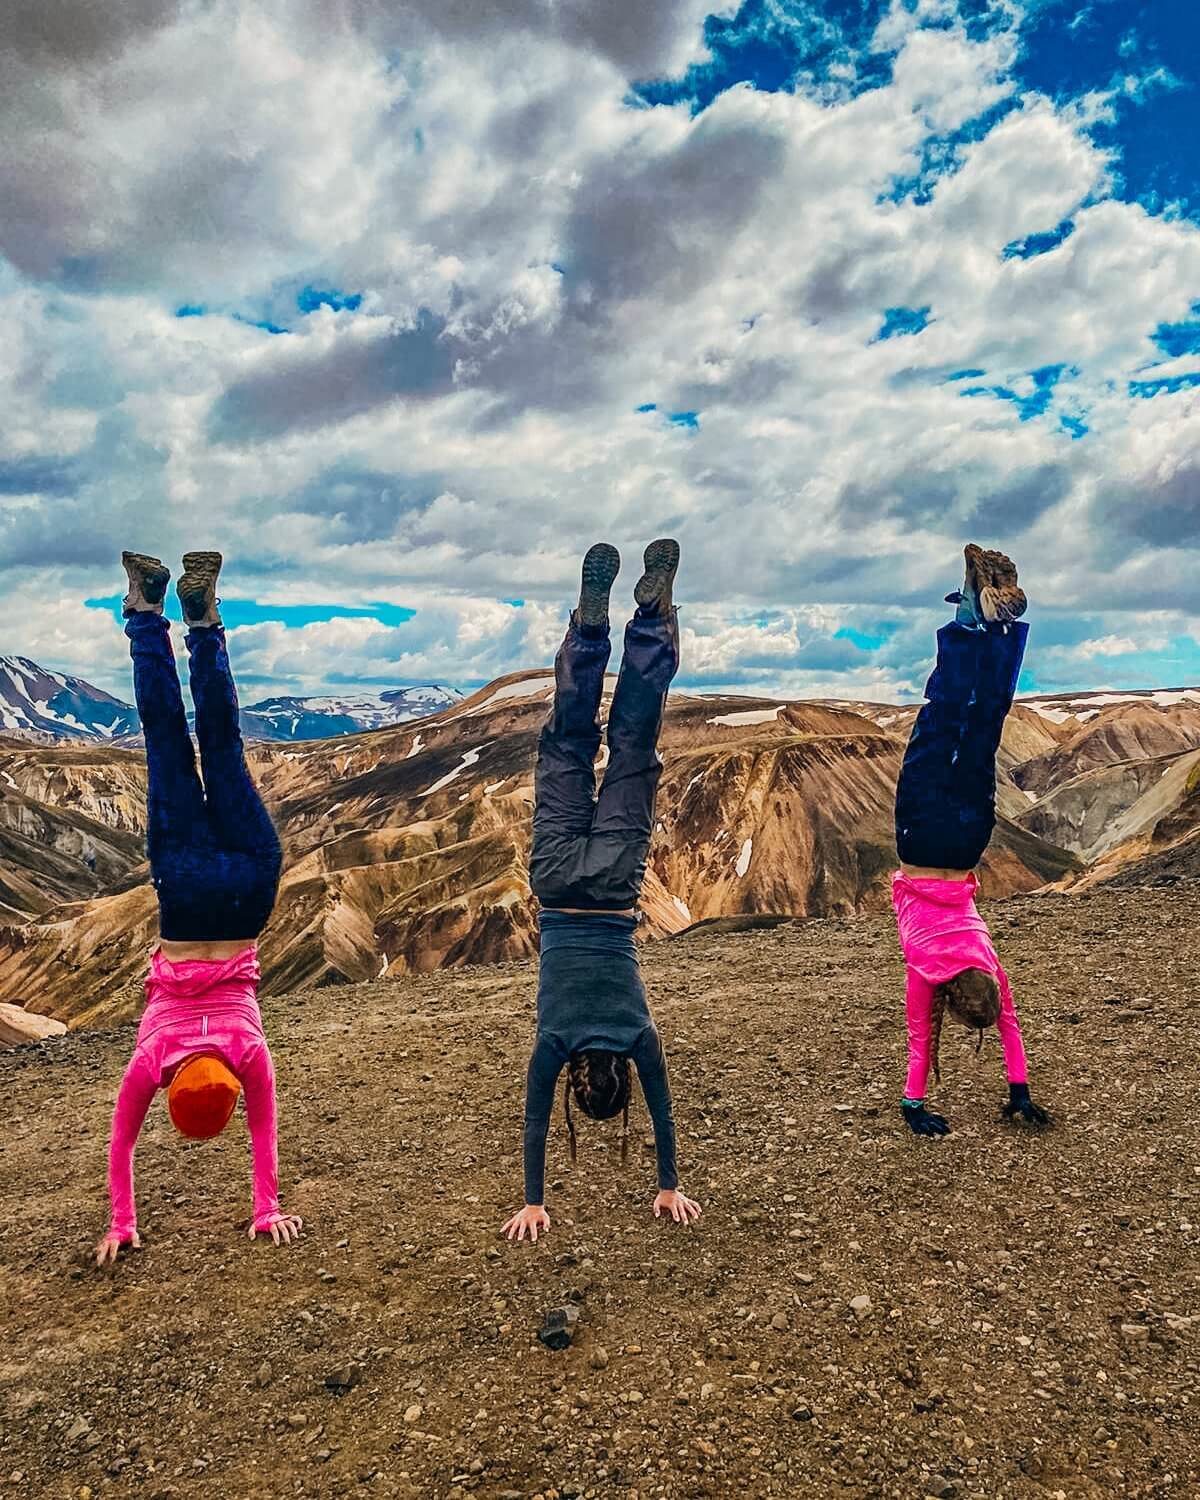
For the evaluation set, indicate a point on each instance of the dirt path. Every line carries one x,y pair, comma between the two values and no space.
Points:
1033,1327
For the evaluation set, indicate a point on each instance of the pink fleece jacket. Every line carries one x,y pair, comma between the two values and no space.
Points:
198,1006
941,934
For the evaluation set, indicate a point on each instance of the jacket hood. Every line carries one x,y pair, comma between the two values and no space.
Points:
196,976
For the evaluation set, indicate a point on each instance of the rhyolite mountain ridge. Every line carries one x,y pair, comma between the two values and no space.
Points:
407,846
37,703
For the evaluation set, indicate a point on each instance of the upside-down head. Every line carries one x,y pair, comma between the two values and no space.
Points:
973,998
599,1080
202,1096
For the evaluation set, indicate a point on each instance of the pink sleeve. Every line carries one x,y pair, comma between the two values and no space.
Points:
918,1007
258,1083
1010,1033
138,1088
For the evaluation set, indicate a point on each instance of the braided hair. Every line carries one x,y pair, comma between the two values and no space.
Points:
972,997
599,1080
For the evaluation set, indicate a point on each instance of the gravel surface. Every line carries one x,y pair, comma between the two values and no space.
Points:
858,1313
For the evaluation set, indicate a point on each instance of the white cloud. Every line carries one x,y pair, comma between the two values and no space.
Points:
535,260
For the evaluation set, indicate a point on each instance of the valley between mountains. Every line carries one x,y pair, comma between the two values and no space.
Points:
407,846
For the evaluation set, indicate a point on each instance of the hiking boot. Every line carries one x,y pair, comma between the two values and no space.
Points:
148,579
653,589
1001,600
197,589
970,610
600,567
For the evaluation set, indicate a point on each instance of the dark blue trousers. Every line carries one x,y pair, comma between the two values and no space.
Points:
946,796
590,850
214,854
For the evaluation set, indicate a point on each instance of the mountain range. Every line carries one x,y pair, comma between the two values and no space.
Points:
37,702
407,846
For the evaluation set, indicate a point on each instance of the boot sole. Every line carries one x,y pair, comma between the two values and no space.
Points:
198,594
660,560
149,575
600,568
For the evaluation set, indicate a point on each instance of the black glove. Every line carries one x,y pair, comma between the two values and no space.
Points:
921,1122
1019,1103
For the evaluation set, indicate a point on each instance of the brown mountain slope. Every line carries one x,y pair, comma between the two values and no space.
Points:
1157,840
1140,729
1103,807
407,849
51,853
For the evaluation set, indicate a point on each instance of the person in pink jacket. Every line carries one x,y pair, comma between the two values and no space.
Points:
945,814
215,861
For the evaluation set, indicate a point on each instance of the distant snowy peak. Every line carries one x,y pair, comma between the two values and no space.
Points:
32,698
290,718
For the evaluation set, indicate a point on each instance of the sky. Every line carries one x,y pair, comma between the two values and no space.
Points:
403,305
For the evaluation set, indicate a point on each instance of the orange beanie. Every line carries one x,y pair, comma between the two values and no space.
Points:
202,1097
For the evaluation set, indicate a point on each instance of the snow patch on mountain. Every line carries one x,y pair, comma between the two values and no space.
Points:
32,698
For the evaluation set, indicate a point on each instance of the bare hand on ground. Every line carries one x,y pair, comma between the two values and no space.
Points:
683,1210
532,1218
283,1230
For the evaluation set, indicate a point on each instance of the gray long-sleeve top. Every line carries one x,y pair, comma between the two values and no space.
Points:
590,994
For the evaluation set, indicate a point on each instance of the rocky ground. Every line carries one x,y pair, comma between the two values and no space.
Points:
858,1313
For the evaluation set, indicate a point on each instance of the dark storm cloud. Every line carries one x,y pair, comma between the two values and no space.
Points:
639,38
1163,512
302,389
1015,502
662,225
38,475
362,504
100,498
65,33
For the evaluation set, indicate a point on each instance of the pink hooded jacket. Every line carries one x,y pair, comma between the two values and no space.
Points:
198,1006
941,934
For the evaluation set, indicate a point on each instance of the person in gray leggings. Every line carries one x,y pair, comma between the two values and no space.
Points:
586,869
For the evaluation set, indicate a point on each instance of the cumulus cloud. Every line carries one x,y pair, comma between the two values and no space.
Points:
408,304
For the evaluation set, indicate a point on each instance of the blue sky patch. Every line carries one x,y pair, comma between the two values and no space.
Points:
775,45
1038,244
1074,46
647,406
191,310
864,640
1178,339
1167,385
237,612
1146,52
1032,404
1075,426
309,298
684,419
899,321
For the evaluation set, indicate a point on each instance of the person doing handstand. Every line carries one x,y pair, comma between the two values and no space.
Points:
586,869
945,814
215,861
